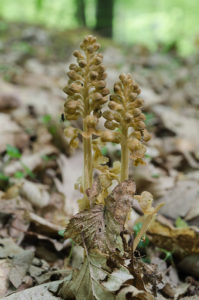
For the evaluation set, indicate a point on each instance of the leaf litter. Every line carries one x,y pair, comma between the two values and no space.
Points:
31,250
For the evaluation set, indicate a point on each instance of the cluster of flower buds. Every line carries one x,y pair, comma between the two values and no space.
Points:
86,88
125,115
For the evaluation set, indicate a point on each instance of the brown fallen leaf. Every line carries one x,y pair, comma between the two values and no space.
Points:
180,241
11,133
183,126
100,227
20,265
36,193
181,200
8,102
42,225
70,171
4,273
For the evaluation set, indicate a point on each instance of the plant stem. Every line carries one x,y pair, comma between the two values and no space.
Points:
87,162
124,155
87,141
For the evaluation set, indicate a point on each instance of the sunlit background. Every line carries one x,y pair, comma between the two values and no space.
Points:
150,22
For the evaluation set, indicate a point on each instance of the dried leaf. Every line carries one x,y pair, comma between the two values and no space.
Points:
19,267
145,200
131,292
39,292
180,241
100,227
91,282
35,193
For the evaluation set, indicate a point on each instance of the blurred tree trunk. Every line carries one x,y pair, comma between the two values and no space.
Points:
104,17
80,12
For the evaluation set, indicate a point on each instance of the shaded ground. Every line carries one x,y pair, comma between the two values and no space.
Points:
38,171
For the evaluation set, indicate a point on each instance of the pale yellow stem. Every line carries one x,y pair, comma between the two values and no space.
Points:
124,155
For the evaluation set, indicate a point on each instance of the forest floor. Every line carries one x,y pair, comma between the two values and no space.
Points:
38,170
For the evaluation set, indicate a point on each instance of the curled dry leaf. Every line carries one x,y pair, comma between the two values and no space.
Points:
35,193
8,102
96,280
43,226
70,171
39,292
100,227
11,133
180,241
184,127
145,200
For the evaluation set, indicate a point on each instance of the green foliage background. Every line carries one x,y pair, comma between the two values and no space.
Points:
135,21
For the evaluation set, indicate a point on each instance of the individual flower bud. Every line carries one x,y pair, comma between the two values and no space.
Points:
137,149
67,91
101,68
72,104
122,77
117,88
145,200
91,121
132,96
73,67
137,89
97,60
115,106
133,144
97,97
139,102
69,132
96,46
110,125
116,98
75,88
93,75
97,113
146,135
77,54
90,49
117,117
137,135
104,92
109,136
108,115
82,63
74,75
100,84
142,117
136,112
128,117
101,76
141,125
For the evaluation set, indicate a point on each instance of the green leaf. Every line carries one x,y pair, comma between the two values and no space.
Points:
12,152
180,223
28,171
48,157
155,175
61,232
19,174
150,117
46,119
168,254
104,151
4,177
